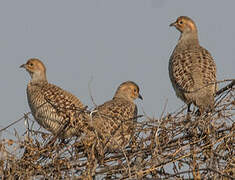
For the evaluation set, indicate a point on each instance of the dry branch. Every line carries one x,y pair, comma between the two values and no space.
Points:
176,145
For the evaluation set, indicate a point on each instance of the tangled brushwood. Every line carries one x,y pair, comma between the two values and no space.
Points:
177,145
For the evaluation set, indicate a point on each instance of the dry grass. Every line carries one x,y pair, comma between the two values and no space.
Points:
175,146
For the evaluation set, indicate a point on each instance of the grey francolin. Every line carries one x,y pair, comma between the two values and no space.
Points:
114,121
192,69
55,109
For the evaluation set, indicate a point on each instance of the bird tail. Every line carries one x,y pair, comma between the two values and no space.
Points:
205,102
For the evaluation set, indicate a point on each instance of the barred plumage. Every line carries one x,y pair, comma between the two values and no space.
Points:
53,108
192,69
114,121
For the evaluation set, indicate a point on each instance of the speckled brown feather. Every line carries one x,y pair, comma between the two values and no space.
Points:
53,107
114,123
191,70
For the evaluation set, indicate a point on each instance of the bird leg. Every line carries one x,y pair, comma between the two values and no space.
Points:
198,112
189,110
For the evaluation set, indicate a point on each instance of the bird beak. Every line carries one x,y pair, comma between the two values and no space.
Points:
23,66
140,97
172,24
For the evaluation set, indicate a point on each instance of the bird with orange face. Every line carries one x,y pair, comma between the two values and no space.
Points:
114,121
192,69
55,109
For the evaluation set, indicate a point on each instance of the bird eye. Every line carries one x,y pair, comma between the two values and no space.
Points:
30,64
181,22
135,90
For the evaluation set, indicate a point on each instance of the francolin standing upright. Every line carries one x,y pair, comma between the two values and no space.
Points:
192,69
114,121
55,109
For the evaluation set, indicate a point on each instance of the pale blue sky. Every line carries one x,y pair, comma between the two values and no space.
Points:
110,41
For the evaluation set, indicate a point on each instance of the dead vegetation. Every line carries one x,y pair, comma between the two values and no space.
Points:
175,146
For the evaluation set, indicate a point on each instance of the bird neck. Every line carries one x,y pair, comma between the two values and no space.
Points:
122,96
188,39
38,77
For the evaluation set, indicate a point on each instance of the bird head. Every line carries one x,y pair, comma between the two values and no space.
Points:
128,90
36,69
184,24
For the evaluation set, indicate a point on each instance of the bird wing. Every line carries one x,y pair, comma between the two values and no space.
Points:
191,68
52,106
114,116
